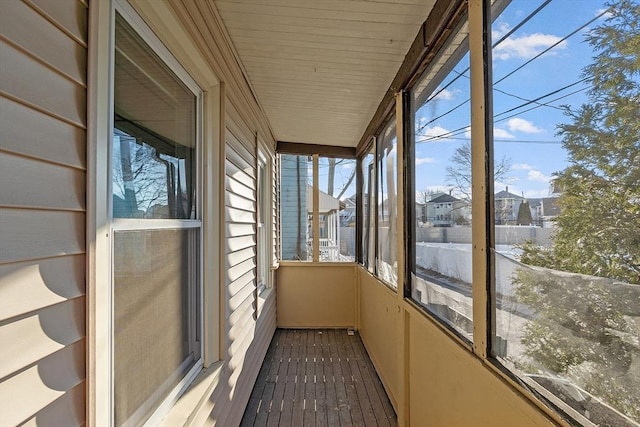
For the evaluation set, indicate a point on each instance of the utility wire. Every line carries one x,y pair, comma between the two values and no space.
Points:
521,24
552,46
516,69
455,132
502,39
534,101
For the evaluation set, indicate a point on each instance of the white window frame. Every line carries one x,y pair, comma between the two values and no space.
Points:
264,211
125,10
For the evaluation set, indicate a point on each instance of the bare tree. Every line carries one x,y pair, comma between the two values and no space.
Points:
459,172
332,163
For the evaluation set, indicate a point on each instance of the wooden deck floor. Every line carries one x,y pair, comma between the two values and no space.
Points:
318,378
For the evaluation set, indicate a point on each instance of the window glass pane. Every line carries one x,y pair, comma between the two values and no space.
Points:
296,204
368,211
387,266
441,271
567,190
155,316
336,181
153,150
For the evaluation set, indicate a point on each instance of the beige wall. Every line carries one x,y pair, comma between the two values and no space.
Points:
43,52
379,322
447,384
316,295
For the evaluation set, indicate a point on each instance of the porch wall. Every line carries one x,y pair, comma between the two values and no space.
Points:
43,53
446,384
316,295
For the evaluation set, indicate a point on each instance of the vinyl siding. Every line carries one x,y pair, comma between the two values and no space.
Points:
246,331
43,50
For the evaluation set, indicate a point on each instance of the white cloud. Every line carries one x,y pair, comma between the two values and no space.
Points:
501,133
501,30
521,125
444,94
424,160
527,46
435,133
536,175
522,167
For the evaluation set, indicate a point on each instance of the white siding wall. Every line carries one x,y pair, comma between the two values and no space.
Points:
43,49
246,331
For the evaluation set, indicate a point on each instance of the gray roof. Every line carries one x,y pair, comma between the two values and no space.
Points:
506,195
445,198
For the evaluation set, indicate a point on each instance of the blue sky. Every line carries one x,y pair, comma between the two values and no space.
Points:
529,139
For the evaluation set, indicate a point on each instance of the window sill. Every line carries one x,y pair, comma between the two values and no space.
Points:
194,398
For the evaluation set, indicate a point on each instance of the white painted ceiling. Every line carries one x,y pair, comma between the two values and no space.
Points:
321,67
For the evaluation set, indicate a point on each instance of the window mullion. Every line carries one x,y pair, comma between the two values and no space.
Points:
481,172
316,210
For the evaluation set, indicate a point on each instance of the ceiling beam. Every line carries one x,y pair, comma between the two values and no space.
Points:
300,148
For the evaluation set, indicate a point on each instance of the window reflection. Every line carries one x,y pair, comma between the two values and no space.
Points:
150,183
153,147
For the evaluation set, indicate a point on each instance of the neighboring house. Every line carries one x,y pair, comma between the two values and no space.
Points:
329,224
293,202
348,214
506,206
445,210
543,210
549,209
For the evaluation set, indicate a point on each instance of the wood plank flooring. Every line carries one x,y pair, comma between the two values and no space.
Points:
320,377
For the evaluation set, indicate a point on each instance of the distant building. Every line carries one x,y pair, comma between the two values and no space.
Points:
445,210
549,209
506,206
348,213
293,207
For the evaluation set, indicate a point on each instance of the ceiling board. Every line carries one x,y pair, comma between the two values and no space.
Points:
320,68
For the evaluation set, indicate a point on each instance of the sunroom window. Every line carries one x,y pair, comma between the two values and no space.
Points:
440,174
567,245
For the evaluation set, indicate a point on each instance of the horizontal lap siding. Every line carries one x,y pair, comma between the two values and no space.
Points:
43,51
245,339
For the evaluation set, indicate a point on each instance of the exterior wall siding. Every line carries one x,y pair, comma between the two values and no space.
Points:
248,332
43,51
247,328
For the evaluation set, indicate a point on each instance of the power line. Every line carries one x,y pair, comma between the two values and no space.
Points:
513,71
534,101
536,107
518,141
552,46
525,99
493,46
450,134
521,24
